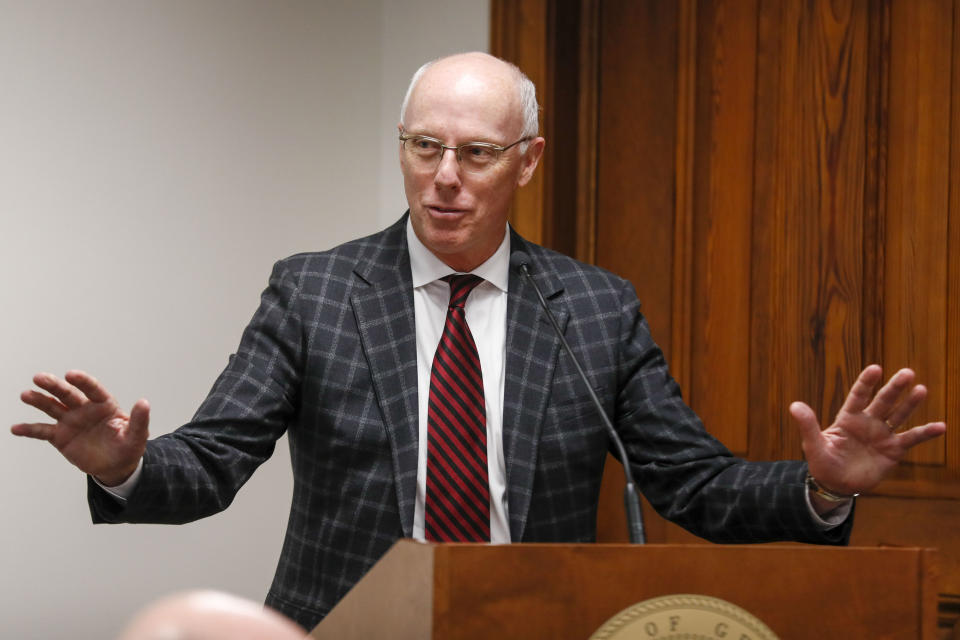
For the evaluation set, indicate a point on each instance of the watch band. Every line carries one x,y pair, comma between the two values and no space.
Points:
827,495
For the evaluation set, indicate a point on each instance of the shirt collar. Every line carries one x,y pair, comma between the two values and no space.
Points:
426,267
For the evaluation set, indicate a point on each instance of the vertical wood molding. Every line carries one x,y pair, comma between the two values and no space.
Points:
719,245
683,246
766,332
875,187
518,33
916,257
636,146
586,220
953,243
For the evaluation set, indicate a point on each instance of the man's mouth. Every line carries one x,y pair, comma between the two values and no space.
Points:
445,210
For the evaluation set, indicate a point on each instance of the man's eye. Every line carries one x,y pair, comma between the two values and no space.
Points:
479,153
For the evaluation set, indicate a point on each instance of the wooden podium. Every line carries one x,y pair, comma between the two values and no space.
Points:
465,591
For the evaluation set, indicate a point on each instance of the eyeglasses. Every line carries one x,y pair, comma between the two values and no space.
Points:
425,152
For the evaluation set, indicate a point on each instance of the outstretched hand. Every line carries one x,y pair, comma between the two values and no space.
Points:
90,429
863,444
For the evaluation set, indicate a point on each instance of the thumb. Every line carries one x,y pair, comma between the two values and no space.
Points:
140,420
806,421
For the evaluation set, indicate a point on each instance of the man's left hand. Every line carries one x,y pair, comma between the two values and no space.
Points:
864,443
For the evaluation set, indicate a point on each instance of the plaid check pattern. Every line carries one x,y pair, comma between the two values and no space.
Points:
457,507
330,358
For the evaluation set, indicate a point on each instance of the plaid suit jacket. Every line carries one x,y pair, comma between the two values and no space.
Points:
330,358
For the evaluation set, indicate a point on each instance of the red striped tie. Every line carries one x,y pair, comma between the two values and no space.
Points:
458,492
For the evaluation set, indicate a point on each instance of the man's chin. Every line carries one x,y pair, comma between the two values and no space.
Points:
445,245
451,249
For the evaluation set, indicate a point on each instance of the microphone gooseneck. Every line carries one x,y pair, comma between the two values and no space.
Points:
521,261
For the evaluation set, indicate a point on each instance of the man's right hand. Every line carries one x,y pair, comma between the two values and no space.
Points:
90,429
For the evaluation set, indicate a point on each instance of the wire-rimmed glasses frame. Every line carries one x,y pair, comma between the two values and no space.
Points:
475,157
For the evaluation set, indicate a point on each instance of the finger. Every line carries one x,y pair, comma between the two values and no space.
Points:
89,385
913,437
905,408
50,406
140,419
37,430
889,395
62,390
806,421
862,390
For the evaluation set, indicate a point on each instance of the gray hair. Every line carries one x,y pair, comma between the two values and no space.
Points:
527,92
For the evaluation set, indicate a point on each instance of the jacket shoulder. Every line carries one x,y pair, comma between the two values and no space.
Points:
385,249
573,274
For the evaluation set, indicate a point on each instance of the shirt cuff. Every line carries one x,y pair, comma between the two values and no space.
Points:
123,490
827,521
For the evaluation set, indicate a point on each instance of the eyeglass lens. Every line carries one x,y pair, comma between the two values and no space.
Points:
475,157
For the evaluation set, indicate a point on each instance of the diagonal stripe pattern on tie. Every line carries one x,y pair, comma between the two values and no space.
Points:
457,507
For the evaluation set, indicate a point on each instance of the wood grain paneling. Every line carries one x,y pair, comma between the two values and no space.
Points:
953,290
811,115
587,125
682,355
726,36
875,186
915,272
635,152
519,33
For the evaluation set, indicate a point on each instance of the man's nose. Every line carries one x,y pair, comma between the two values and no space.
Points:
448,171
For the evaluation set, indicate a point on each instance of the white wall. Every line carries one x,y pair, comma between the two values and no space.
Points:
155,158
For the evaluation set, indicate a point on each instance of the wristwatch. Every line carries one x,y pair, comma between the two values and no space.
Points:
827,495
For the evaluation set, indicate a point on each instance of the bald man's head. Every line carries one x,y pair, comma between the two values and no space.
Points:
467,143
210,615
525,91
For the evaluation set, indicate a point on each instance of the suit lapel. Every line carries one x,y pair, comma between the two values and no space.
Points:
531,357
385,321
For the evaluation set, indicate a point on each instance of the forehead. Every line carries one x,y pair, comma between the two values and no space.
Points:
465,102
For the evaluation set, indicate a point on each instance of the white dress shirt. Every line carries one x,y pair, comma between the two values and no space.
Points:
486,311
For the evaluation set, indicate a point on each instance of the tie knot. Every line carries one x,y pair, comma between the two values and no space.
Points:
460,287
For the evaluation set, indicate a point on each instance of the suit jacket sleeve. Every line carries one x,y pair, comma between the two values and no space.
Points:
197,470
687,475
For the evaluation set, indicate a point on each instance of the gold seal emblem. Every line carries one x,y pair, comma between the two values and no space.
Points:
684,616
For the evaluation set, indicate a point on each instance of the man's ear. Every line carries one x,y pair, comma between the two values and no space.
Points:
531,159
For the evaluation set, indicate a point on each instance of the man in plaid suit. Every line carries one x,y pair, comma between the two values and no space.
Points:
339,350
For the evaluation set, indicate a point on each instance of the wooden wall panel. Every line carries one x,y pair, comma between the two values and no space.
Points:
726,35
811,137
635,152
915,275
519,33
953,287
588,43
682,355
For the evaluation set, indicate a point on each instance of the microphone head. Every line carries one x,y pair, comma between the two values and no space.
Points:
519,259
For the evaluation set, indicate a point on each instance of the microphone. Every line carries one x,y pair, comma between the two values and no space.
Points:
521,261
